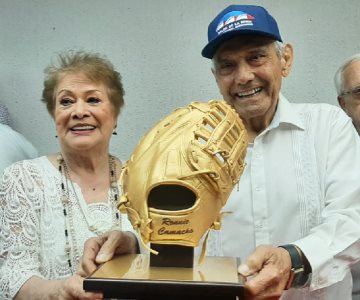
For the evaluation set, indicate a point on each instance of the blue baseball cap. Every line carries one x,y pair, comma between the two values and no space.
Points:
239,20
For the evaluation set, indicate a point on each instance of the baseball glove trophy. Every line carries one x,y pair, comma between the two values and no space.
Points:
182,172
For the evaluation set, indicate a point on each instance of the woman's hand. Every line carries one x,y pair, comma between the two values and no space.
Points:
101,249
72,288
66,289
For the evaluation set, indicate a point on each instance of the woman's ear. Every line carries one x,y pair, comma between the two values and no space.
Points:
287,59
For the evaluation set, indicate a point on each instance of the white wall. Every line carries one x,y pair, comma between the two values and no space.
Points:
156,45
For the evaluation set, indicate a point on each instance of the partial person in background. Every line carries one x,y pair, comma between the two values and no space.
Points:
347,84
294,218
14,147
4,115
51,205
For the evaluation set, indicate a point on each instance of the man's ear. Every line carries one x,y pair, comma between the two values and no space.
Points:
342,103
287,59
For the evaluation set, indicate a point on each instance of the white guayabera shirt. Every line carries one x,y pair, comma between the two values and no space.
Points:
300,185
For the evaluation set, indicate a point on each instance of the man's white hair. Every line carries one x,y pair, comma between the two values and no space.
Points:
339,75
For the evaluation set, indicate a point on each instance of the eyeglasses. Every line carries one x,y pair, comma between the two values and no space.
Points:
355,92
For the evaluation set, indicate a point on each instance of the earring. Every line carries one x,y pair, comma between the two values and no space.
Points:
56,136
114,131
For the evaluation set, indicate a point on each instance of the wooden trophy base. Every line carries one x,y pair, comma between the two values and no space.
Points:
131,277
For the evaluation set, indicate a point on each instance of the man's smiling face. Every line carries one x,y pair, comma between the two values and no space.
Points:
249,71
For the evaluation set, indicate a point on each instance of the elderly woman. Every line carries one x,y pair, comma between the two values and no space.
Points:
51,205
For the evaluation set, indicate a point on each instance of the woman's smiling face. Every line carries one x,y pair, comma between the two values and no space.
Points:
84,114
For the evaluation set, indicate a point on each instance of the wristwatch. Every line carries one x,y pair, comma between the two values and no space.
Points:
300,267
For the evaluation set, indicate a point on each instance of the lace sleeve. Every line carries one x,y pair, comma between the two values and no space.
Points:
20,202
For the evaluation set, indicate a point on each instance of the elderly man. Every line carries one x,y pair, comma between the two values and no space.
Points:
297,203
294,218
347,84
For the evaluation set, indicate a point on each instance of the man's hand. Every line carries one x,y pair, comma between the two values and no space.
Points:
101,249
267,271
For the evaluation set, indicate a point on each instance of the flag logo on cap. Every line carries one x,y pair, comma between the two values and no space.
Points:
234,19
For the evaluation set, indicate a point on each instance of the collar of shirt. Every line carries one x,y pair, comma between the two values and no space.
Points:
286,114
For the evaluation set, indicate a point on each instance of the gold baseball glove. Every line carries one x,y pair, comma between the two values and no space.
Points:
182,172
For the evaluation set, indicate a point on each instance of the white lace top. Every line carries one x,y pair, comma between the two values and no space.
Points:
32,223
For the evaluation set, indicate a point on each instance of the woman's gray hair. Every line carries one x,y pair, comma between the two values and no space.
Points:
339,75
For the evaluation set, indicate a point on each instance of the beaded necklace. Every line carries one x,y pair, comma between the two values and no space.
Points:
69,231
